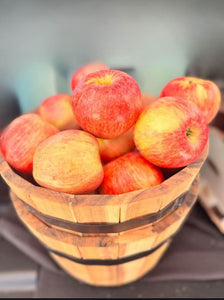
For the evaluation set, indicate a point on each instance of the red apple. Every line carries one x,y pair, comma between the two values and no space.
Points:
128,173
85,70
171,132
204,93
113,148
57,110
68,162
20,139
107,103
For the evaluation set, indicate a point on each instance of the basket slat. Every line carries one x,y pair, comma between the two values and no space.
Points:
111,275
104,246
102,208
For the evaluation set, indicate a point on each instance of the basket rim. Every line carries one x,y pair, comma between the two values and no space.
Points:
9,175
29,219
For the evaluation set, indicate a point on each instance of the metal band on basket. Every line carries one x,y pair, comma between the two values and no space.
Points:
108,227
110,262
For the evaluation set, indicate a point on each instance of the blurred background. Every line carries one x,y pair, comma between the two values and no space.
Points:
42,43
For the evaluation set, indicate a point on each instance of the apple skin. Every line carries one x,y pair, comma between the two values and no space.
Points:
147,99
171,132
68,162
57,110
107,103
204,93
85,70
128,173
113,148
20,139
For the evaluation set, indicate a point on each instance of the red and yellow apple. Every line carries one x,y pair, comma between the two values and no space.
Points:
171,132
113,148
128,173
204,93
20,139
107,103
85,70
68,162
57,110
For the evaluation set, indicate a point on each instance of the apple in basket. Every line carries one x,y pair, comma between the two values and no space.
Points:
171,132
85,70
128,173
20,139
68,161
113,148
57,110
204,93
107,103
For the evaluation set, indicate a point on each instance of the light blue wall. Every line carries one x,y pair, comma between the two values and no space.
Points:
43,42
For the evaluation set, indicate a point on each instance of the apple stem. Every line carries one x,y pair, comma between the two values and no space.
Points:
188,132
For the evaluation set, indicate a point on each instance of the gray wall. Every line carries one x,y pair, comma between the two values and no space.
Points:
42,42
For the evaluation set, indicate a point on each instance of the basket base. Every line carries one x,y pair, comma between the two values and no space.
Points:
117,275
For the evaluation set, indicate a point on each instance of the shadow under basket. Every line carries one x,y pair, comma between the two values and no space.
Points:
106,240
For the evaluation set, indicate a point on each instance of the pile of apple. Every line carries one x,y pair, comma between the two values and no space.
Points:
108,137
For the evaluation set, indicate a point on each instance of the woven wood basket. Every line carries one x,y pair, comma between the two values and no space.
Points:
106,240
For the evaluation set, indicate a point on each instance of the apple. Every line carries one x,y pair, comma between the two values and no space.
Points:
107,103
171,132
68,162
113,148
85,70
20,139
57,110
147,99
128,173
204,93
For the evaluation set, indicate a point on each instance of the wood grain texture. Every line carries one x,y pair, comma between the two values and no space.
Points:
103,246
102,208
107,246
111,275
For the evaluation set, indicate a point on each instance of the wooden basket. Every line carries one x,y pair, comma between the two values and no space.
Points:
102,239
